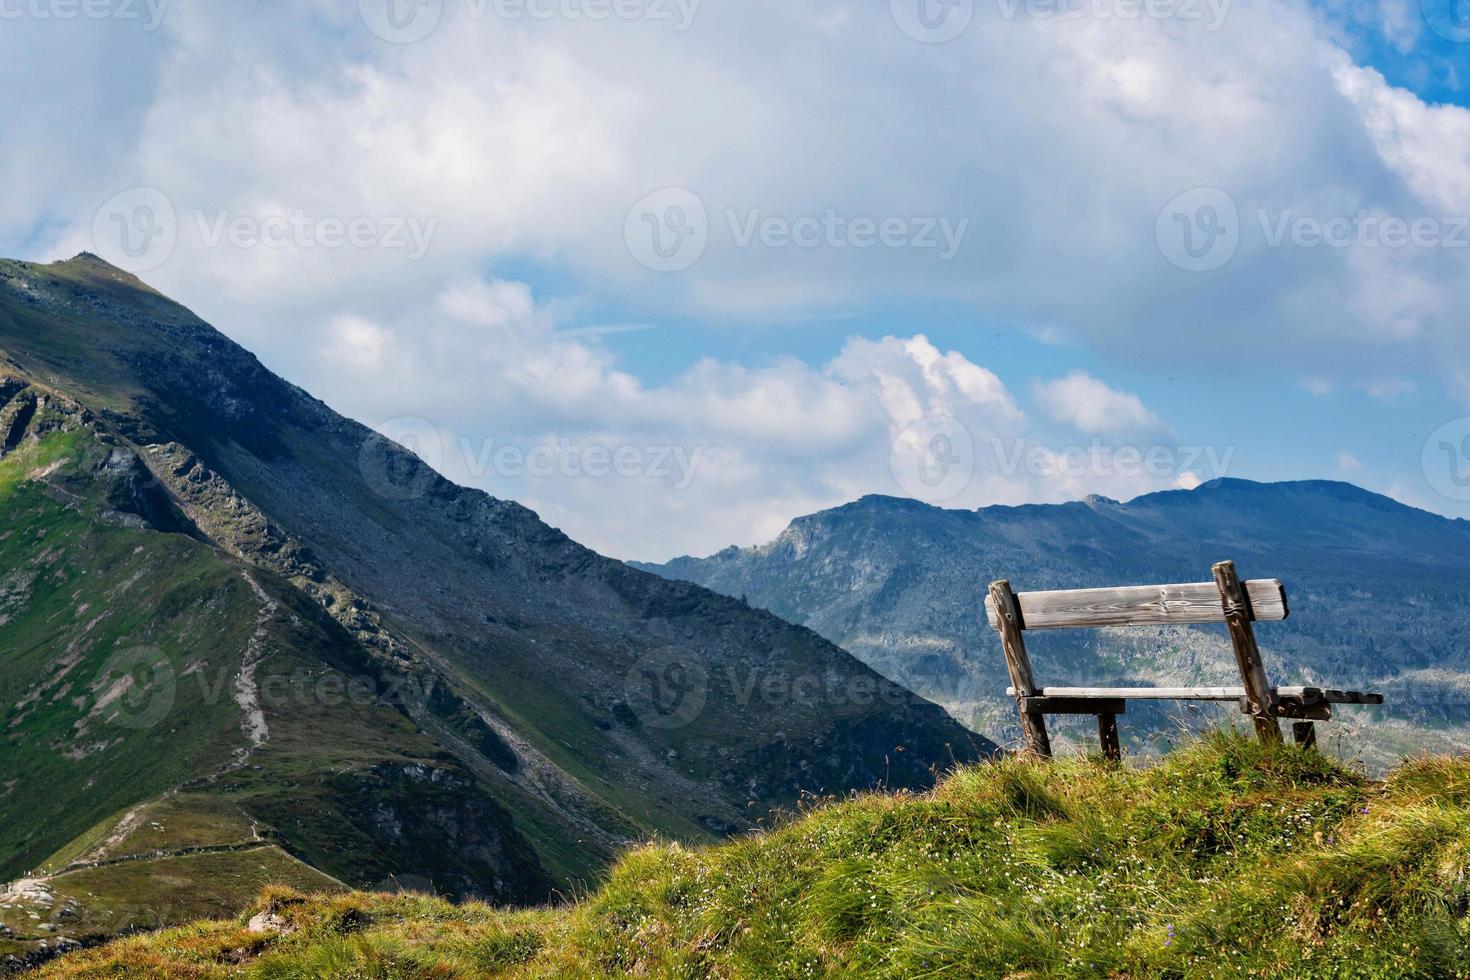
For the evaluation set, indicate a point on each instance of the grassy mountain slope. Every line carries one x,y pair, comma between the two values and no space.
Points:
218,596
1224,860
161,735
1377,596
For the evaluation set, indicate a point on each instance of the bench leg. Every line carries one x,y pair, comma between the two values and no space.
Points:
1033,726
1107,732
1259,695
1033,723
1305,734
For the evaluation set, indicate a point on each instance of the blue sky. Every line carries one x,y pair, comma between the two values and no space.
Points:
779,255
1403,42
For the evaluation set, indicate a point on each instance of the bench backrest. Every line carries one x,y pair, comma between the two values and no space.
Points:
1141,605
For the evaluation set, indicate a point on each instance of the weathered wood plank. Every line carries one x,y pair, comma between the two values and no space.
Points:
1144,693
1299,694
1018,663
1142,605
1310,710
1261,698
1076,706
1340,697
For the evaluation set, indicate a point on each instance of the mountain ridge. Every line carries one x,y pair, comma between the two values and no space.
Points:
541,670
1090,501
1376,590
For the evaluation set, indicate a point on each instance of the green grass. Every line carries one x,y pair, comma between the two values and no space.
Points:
80,594
82,844
138,895
1225,859
31,456
81,601
172,822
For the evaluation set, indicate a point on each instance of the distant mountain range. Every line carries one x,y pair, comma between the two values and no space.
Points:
244,638
1380,597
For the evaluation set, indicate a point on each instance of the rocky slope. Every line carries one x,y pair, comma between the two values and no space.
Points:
216,592
1377,594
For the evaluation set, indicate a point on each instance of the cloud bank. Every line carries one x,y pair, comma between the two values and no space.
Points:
1144,186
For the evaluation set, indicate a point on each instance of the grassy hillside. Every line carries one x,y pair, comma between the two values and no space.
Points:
1225,859
85,605
178,730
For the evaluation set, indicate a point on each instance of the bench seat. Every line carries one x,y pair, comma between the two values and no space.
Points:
1308,695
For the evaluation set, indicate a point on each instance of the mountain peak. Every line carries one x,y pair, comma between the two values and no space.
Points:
1338,490
1097,500
91,266
85,269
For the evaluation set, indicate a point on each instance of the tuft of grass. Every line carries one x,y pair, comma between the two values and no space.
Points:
1225,859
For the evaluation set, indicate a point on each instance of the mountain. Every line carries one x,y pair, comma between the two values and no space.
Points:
247,639
1227,859
1377,593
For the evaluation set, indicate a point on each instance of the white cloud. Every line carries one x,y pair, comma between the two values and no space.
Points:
1347,462
1428,146
719,453
1387,389
528,142
356,342
1082,401
492,304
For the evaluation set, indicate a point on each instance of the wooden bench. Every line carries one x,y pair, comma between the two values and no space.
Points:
1225,600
